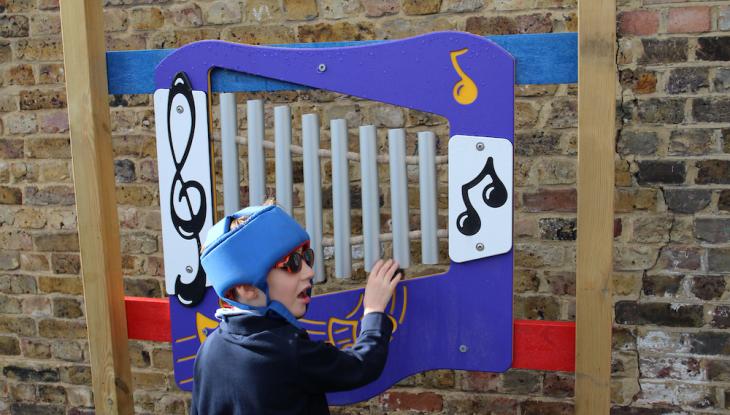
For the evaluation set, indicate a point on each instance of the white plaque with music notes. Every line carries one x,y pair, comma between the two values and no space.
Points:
480,197
186,202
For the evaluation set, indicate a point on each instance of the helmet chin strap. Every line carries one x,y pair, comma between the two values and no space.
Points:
272,305
280,309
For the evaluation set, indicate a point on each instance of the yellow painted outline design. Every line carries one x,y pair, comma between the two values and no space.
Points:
184,339
185,359
347,323
201,323
395,323
465,91
351,325
313,322
405,303
330,331
184,381
357,307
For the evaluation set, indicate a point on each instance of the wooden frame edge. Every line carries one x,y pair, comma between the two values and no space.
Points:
594,268
98,225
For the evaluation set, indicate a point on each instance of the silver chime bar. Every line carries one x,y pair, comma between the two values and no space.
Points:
229,153
283,165
313,191
341,157
256,180
341,198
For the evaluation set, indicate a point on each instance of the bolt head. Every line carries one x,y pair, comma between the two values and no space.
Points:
480,146
480,247
463,348
179,109
321,67
189,269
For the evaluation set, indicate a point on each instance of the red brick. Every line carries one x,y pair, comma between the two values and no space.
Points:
423,401
638,22
689,19
545,200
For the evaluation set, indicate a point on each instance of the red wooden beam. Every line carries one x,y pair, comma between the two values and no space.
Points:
538,345
544,345
148,319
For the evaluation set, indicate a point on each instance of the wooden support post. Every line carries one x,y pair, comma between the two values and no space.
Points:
596,132
93,169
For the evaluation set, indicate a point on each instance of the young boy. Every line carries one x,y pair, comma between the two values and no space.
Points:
260,361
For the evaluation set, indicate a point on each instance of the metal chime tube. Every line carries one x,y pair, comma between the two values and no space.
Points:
313,191
370,195
256,167
399,196
341,198
229,153
282,154
427,186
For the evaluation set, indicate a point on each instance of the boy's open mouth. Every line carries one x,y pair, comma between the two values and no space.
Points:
304,294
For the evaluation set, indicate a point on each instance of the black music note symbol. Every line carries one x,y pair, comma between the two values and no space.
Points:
190,192
494,195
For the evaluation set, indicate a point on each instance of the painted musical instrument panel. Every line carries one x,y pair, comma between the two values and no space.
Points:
461,319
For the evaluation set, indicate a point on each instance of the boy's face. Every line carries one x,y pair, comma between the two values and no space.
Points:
291,289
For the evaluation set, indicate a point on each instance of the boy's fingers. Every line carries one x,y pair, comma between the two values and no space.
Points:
394,282
383,271
377,269
376,266
393,268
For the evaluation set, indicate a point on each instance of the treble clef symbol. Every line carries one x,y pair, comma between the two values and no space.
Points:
494,195
465,91
188,205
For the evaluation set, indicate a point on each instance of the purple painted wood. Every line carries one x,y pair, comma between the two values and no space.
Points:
461,319
415,73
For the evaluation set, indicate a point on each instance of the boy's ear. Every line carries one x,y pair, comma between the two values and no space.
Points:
247,292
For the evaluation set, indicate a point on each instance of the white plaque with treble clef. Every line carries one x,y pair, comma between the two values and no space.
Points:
480,197
186,202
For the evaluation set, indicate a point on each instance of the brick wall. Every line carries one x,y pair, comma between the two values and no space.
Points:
672,255
672,266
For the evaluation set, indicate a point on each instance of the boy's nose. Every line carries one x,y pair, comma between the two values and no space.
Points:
307,271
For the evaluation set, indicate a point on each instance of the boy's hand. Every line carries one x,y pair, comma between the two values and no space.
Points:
381,285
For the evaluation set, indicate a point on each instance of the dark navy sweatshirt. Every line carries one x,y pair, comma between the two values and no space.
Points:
263,365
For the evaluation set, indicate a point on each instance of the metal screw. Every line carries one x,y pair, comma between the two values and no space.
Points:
179,109
480,247
463,348
480,146
189,269
321,67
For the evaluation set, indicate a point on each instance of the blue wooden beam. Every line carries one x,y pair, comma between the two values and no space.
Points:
541,59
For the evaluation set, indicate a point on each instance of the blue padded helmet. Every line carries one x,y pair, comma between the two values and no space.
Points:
246,254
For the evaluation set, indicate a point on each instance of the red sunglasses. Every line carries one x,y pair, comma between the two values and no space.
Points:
293,262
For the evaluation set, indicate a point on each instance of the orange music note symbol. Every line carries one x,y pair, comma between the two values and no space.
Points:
465,91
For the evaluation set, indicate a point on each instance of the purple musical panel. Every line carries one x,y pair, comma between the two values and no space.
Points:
461,319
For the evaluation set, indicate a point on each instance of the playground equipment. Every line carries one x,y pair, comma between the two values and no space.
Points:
461,319
482,333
